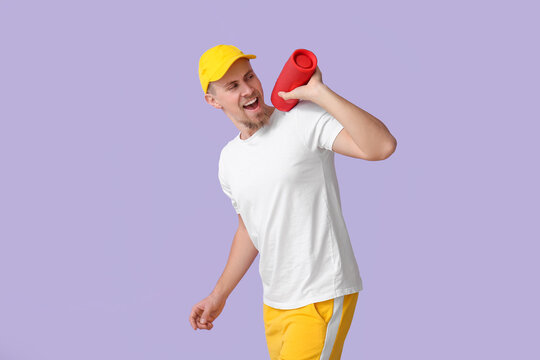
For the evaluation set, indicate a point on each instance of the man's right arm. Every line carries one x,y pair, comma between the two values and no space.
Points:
241,256
240,259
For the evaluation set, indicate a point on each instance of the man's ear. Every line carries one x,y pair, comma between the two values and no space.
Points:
212,101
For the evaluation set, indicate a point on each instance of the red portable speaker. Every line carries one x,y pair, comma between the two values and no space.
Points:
296,72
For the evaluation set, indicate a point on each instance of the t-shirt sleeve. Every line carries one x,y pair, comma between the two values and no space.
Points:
317,127
226,189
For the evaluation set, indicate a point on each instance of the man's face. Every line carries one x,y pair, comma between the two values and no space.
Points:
238,87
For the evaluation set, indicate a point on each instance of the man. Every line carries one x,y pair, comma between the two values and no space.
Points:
279,174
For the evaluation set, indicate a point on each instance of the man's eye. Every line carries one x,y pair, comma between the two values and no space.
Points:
232,86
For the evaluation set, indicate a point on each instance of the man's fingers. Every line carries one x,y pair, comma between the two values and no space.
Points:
284,95
206,317
193,322
206,326
293,94
196,324
203,314
195,316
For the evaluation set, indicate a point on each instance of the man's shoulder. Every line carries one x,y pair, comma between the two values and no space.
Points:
226,149
306,105
306,108
308,113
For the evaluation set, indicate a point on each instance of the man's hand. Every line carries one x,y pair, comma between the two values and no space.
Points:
310,91
206,311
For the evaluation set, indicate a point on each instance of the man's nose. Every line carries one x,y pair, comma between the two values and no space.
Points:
247,89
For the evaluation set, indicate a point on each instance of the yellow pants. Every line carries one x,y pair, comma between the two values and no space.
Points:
313,332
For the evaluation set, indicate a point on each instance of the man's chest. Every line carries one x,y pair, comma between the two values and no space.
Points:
281,166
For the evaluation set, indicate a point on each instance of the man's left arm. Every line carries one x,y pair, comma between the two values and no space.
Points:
364,131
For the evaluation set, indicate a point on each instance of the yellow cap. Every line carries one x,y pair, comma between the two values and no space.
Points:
215,62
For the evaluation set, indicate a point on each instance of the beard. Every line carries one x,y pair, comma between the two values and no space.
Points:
261,119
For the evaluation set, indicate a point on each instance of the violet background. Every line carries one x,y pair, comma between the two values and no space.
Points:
113,223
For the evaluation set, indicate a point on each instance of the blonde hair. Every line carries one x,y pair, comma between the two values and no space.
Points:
210,89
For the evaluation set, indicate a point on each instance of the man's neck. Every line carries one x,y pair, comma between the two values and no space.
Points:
247,132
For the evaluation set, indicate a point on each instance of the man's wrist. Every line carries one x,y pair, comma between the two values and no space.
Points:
320,92
219,294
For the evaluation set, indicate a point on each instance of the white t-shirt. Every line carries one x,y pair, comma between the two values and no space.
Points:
283,183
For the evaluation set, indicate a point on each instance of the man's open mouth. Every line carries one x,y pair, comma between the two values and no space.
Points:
252,105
